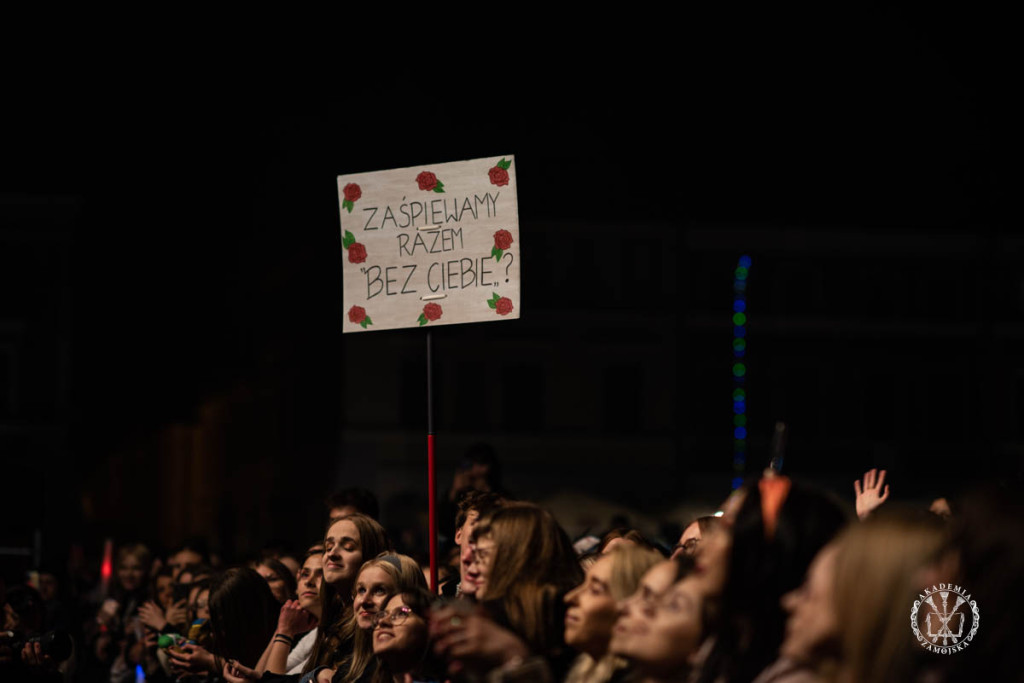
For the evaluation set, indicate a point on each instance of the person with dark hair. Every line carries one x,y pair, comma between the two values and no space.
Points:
692,535
779,527
526,566
243,614
401,639
161,613
479,470
280,579
472,506
351,501
22,618
191,552
984,554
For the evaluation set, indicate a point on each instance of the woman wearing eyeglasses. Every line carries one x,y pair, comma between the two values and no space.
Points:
401,642
526,566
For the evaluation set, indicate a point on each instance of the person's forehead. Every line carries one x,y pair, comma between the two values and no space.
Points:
374,574
343,529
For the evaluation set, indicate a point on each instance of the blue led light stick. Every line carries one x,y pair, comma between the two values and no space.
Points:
739,370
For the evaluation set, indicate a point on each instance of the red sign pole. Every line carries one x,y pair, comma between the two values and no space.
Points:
431,469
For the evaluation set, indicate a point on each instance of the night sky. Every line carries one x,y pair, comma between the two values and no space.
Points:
205,245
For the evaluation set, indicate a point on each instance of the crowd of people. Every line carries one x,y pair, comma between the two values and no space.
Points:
781,585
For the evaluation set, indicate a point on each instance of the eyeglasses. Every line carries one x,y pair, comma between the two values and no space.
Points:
689,548
395,617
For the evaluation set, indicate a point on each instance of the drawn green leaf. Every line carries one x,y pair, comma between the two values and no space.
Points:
422,319
367,320
348,240
496,253
439,187
505,164
496,296
490,303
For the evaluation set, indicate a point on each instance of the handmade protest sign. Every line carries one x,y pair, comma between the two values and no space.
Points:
430,245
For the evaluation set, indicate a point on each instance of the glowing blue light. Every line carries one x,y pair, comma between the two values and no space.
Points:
740,433
739,407
737,482
739,305
738,353
745,261
739,331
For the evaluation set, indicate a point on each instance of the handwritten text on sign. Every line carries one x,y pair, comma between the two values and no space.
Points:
430,245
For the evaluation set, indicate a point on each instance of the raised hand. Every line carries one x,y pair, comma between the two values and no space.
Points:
152,616
191,659
872,494
472,641
293,619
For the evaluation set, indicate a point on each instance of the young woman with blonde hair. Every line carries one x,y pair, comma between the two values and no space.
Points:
593,608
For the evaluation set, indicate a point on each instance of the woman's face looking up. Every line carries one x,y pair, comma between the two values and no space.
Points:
668,629
343,555
592,610
373,587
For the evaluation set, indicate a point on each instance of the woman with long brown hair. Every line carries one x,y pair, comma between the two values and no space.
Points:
526,566
349,541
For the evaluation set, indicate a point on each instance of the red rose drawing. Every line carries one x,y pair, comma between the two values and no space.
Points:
357,314
503,306
503,239
356,253
432,311
426,180
498,175
352,192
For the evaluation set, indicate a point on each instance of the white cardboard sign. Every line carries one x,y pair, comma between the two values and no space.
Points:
430,245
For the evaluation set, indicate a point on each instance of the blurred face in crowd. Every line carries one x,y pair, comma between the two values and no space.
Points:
291,563
199,603
592,611
131,573
47,586
343,553
671,629
467,576
276,583
712,560
665,629
165,591
178,560
400,635
310,577
635,611
373,587
482,563
688,541
811,628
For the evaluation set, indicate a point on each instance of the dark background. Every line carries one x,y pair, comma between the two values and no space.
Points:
171,357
